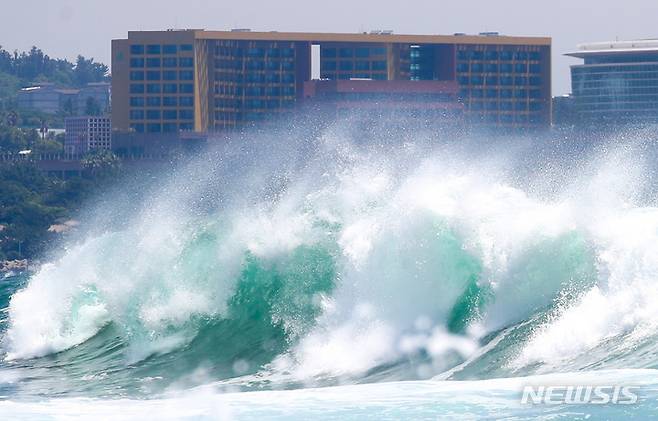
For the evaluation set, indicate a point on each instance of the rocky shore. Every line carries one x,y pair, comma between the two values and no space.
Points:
13,266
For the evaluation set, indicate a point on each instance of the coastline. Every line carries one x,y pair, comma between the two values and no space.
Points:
17,266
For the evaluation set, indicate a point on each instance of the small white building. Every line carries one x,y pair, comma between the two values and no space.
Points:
87,133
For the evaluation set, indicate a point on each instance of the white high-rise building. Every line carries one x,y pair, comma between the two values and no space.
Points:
87,133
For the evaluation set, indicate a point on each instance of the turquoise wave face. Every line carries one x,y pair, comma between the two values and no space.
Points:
349,270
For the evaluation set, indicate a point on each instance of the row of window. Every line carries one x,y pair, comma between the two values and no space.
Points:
139,62
502,93
498,55
577,70
254,52
505,106
167,88
161,127
616,91
614,83
348,76
253,103
241,65
237,77
162,75
502,80
348,52
463,67
619,105
236,90
166,101
140,49
140,114
378,65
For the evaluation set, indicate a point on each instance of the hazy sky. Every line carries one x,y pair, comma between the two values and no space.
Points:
64,28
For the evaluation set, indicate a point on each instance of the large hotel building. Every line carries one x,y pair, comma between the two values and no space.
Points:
204,81
617,82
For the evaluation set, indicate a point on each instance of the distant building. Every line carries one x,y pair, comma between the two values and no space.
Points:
428,102
50,99
47,98
617,83
87,133
203,81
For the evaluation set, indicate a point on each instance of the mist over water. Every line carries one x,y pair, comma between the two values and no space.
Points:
309,257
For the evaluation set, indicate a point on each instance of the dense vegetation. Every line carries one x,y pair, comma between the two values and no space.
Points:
31,202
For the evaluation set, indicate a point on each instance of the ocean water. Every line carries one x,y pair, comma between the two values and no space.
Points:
278,278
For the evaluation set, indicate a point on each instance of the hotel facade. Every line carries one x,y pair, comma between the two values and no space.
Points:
206,81
616,83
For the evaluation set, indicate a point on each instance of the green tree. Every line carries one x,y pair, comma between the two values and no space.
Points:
92,107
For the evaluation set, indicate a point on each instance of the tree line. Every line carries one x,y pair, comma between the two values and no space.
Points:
36,66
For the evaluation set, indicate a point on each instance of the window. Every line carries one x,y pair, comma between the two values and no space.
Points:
328,52
170,114
346,65
152,62
287,52
186,126
362,65
477,80
378,51
491,80
329,65
363,52
154,128
506,55
520,80
137,62
186,62
476,68
521,55
170,48
153,114
186,47
136,101
186,101
186,88
379,65
186,75
345,52
136,88
506,68
288,78
491,68
137,49
186,114
153,88
520,67
153,49
137,75
137,114
169,75
170,88
138,127
153,75
153,101
169,62
491,55
169,127
170,101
